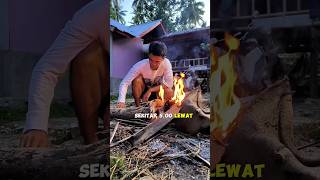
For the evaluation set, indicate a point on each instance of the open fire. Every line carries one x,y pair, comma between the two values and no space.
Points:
226,104
177,98
179,93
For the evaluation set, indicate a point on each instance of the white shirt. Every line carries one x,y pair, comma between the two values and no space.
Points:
86,26
162,75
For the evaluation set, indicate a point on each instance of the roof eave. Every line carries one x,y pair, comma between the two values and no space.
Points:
152,28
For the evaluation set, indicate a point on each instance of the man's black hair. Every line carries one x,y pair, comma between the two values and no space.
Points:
158,48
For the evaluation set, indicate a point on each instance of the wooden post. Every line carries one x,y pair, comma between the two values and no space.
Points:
313,76
238,8
314,63
253,8
299,5
284,6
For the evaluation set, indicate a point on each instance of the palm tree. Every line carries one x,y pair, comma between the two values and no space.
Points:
140,11
191,13
116,12
150,10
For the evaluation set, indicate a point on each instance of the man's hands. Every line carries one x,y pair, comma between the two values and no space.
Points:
121,105
168,93
34,138
146,96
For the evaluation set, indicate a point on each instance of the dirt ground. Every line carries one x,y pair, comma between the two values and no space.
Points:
63,132
169,154
307,124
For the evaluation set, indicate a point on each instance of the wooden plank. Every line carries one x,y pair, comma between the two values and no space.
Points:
154,127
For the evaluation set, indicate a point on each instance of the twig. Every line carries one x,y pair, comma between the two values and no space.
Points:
129,174
114,132
195,153
138,120
158,152
308,145
138,174
118,142
131,122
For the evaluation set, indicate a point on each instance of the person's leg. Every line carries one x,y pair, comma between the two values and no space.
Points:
89,85
138,88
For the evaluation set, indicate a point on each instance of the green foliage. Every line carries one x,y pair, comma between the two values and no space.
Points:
58,110
8,114
117,166
113,98
191,14
176,15
116,11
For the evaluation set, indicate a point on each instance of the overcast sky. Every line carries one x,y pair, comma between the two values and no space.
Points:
127,5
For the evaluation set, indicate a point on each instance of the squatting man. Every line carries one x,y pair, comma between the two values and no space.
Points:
83,46
147,75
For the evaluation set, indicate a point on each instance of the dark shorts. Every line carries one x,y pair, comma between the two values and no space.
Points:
149,85
152,96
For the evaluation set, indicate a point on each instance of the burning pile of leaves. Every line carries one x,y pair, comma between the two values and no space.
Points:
167,155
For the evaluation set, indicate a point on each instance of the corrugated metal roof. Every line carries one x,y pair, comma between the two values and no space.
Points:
121,27
136,30
142,29
186,32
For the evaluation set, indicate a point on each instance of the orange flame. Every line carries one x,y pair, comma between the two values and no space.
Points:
226,104
161,93
179,93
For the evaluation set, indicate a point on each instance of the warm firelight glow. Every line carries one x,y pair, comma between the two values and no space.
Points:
226,104
161,93
179,93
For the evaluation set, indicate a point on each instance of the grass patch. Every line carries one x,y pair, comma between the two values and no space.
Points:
58,110
117,166
8,114
113,98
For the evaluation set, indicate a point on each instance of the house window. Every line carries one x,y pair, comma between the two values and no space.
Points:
174,63
206,61
245,7
304,4
191,63
261,6
223,8
276,6
186,63
292,5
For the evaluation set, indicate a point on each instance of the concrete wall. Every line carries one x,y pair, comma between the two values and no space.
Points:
124,54
15,74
